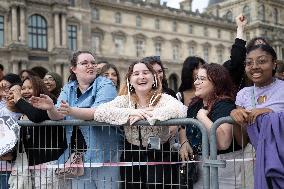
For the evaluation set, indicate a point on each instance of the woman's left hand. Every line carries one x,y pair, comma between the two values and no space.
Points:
201,114
256,112
65,109
134,118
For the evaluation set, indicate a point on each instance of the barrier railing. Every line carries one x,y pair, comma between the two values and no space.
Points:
240,159
185,121
213,151
210,163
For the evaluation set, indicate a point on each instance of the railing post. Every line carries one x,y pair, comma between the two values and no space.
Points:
213,149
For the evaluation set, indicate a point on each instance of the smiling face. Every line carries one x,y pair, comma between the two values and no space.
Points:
49,82
142,78
85,68
27,89
259,67
203,86
112,75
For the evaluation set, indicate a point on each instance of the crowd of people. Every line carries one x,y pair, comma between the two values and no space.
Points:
245,87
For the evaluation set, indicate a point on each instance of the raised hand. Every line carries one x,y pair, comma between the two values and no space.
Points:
43,102
3,89
65,109
15,93
241,21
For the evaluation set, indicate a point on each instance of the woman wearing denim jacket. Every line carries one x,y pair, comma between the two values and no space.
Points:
84,90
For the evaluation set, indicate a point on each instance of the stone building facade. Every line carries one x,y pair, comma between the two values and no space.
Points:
266,18
45,32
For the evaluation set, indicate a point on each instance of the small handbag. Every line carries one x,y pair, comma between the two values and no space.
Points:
73,167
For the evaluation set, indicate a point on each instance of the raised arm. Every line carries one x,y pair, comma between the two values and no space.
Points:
44,102
78,113
235,65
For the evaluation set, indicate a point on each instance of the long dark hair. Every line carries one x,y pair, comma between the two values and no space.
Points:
106,68
157,60
38,86
73,63
223,85
190,64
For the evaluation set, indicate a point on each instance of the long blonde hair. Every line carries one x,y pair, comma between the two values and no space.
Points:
154,95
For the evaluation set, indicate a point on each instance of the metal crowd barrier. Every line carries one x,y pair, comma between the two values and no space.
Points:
185,121
246,163
210,163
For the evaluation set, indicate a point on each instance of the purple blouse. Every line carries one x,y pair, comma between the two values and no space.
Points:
274,94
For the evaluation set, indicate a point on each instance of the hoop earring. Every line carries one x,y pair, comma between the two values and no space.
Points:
154,86
131,88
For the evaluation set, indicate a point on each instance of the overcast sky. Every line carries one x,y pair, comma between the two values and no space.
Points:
196,4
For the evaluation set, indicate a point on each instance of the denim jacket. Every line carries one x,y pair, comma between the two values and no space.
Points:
101,141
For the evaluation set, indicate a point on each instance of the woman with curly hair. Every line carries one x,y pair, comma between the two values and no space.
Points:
214,99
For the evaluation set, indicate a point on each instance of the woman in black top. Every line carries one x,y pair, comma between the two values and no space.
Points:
214,99
42,144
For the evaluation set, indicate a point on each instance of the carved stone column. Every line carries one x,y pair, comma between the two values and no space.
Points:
23,24
14,24
64,32
56,30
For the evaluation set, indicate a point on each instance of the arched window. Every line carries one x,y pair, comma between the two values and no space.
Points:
261,12
229,15
246,12
275,16
117,18
173,82
37,32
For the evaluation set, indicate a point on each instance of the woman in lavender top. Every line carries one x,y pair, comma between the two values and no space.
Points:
265,95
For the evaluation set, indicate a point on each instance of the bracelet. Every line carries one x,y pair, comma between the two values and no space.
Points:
183,143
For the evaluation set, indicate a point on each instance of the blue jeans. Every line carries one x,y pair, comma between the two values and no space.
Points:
103,145
4,180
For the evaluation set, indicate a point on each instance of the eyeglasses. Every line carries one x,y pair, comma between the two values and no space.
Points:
50,79
200,78
151,59
86,63
259,61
